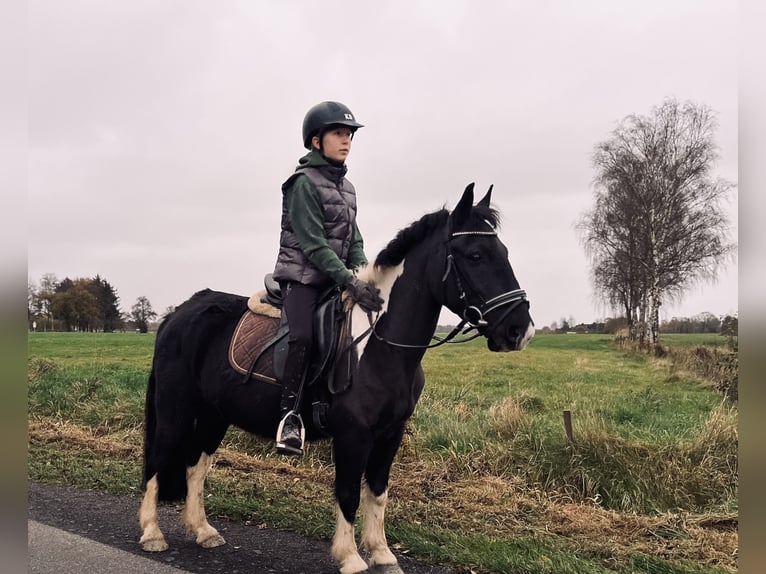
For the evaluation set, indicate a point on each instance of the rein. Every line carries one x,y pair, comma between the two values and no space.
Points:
473,316
448,339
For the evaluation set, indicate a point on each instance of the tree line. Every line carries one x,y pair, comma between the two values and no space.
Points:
83,304
92,304
706,322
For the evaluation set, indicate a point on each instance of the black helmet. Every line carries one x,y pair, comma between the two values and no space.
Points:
319,118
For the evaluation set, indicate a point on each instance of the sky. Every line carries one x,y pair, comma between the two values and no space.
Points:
160,132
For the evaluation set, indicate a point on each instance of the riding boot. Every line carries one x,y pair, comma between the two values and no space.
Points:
291,434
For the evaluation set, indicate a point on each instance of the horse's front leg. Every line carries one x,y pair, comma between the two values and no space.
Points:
351,451
194,518
374,499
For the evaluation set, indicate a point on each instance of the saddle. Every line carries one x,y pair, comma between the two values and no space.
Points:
258,347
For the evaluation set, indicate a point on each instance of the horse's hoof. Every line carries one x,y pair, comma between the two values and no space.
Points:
212,541
386,569
354,565
381,559
154,545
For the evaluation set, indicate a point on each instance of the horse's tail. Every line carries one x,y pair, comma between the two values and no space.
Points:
150,425
165,461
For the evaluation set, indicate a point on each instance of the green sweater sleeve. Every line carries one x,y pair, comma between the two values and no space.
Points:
304,208
356,256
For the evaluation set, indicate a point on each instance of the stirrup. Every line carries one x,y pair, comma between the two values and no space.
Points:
290,447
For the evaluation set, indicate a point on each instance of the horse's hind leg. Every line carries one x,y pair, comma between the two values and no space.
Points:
208,434
194,517
152,539
374,499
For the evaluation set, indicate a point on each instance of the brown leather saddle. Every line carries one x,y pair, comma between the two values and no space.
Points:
256,334
258,347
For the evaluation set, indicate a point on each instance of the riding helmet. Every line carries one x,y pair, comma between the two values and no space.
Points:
322,116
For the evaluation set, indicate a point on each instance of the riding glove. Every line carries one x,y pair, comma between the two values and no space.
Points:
364,295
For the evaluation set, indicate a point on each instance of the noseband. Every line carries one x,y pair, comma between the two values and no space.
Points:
472,316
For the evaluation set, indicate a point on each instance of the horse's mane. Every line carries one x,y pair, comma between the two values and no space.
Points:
396,250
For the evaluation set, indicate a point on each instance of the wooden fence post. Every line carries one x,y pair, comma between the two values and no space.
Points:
568,425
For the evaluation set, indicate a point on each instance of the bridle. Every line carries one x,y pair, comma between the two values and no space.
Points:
473,316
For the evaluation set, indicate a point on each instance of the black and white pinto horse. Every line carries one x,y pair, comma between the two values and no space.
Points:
444,259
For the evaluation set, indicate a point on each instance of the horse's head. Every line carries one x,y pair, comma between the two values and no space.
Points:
479,282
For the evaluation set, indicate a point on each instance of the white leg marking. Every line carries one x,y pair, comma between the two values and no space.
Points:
384,280
373,531
193,517
152,539
344,547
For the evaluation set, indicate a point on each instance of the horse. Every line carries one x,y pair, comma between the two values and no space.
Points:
453,259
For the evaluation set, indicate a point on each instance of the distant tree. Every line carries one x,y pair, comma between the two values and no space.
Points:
69,304
45,292
657,227
676,325
708,322
75,306
142,313
64,285
108,304
594,327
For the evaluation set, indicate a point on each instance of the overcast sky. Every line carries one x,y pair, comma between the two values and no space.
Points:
160,132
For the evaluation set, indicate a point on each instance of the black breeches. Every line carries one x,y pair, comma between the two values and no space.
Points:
299,304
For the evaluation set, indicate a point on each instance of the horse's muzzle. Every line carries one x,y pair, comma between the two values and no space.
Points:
512,338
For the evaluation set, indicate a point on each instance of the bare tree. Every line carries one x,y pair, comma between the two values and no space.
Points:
48,285
657,226
142,313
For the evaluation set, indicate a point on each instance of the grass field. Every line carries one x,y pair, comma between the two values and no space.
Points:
486,480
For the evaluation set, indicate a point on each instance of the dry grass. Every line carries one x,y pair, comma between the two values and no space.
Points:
508,418
718,366
430,493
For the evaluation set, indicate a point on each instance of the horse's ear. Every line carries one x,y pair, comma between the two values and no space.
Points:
463,208
485,200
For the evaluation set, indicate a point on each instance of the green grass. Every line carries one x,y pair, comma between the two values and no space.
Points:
634,429
586,377
94,349
98,380
694,339
490,554
649,441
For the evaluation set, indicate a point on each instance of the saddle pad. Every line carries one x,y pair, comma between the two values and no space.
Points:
257,305
252,334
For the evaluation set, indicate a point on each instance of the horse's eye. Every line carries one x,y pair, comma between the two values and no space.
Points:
475,256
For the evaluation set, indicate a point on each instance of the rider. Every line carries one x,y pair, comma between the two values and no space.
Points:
320,244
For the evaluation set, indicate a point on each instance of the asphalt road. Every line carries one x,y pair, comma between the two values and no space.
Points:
52,550
85,531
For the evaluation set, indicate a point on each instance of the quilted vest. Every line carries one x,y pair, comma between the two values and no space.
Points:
339,214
